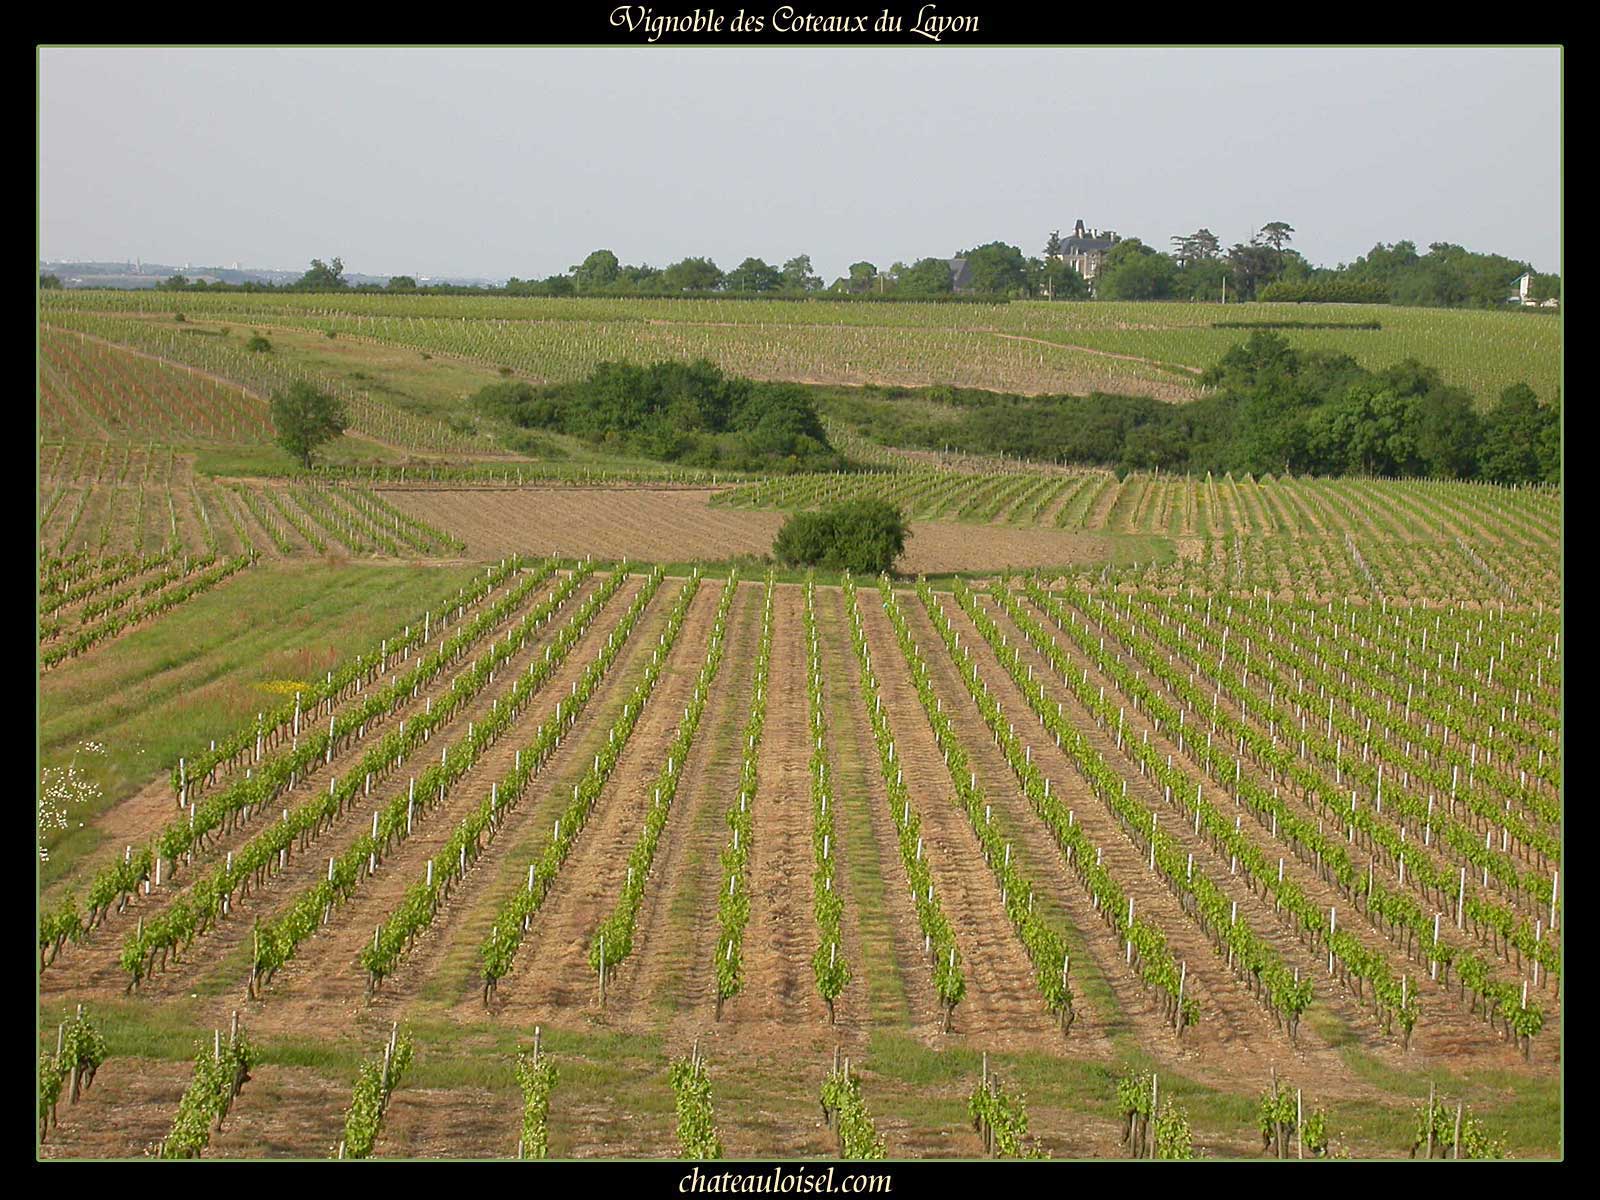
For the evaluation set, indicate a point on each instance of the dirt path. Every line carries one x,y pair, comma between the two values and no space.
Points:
228,540
1028,510
890,983
553,973
280,514
326,975
444,967
191,529
1001,999
124,348
782,933
1231,1020
223,380
1100,506
55,529
98,511
232,515
1037,856
678,524
671,972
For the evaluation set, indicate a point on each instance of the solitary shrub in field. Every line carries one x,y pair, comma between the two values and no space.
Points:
258,344
305,418
860,536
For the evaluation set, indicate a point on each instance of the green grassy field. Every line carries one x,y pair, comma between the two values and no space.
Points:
1152,348
210,664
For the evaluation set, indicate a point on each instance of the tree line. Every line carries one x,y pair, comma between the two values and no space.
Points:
1196,268
1269,408
1266,268
688,413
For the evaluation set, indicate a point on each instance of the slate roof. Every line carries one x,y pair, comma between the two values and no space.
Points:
1085,245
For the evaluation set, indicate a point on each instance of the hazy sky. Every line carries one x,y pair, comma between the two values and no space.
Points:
519,162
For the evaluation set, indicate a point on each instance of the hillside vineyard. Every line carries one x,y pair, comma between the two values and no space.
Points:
491,788
1011,814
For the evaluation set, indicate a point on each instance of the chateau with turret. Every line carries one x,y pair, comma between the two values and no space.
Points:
1085,251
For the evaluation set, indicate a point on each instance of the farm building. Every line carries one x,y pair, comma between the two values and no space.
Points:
1524,293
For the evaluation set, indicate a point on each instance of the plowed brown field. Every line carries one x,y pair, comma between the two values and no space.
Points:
679,525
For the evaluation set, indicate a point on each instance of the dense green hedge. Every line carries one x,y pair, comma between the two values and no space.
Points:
1326,291
688,413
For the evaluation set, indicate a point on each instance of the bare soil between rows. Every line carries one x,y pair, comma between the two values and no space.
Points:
773,1044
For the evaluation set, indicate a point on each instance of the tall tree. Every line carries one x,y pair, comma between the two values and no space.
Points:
305,418
1376,428
1200,246
753,275
798,275
1277,234
1052,245
925,277
1516,437
1200,279
1253,266
599,270
1448,433
643,278
692,275
996,269
1062,282
322,277
863,275
863,536
1134,271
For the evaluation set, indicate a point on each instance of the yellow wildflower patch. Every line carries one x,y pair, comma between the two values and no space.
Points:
284,687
